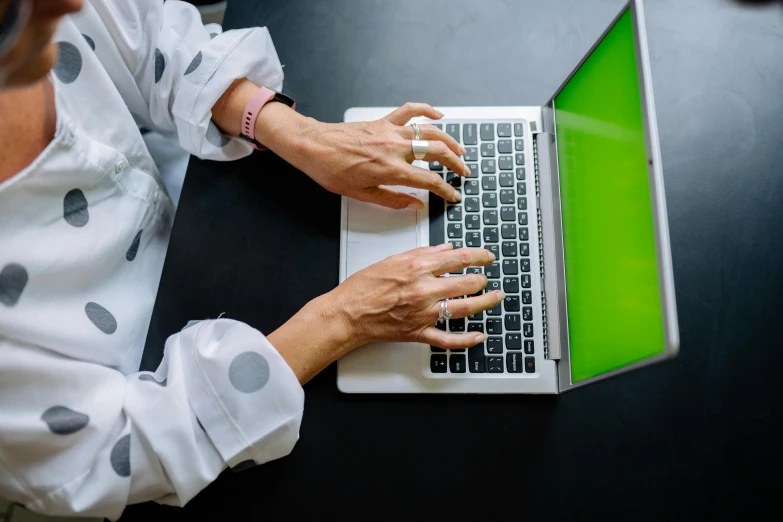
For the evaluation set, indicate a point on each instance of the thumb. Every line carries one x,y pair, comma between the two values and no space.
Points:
389,198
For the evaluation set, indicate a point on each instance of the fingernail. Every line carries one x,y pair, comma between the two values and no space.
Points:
491,255
440,114
481,338
457,196
502,294
462,149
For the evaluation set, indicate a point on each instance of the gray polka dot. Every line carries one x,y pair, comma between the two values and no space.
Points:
101,318
90,41
64,421
248,372
13,279
120,457
133,249
245,464
75,210
69,62
149,378
212,36
215,137
160,65
194,64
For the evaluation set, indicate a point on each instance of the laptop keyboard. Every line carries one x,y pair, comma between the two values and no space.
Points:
497,212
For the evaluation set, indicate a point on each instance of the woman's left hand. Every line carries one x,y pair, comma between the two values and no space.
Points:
360,160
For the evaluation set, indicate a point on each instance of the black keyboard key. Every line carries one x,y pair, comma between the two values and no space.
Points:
526,283
473,239
489,200
453,179
521,174
472,222
520,158
473,170
527,296
489,183
487,150
509,248
434,165
458,271
456,325
471,187
457,363
510,267
477,317
504,130
524,265
471,204
488,166
490,217
494,311
513,323
527,313
492,271
435,349
438,363
511,285
506,179
487,132
491,235
476,327
469,134
454,213
507,214
513,362
519,145
529,346
474,270
511,303
507,196
527,330
457,244
524,234
471,154
452,129
530,365
522,218
504,146
519,129
504,163
454,230
441,326
494,249
521,189
509,231
457,350
438,126
495,345
493,284
494,326
524,249
476,359
522,203
514,341
494,364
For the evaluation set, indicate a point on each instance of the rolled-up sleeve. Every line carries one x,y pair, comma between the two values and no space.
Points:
180,69
77,438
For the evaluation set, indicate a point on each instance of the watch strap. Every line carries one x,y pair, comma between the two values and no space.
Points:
263,96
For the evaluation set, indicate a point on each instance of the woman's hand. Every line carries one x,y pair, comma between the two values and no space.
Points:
397,299
360,160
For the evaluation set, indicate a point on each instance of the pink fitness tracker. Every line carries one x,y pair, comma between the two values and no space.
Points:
249,117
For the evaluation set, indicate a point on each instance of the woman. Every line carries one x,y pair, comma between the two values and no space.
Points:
84,224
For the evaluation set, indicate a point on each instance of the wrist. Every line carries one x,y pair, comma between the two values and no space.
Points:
283,130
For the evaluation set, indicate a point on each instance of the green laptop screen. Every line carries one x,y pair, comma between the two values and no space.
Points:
612,286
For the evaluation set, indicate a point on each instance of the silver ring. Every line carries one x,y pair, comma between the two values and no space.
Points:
416,131
443,312
420,148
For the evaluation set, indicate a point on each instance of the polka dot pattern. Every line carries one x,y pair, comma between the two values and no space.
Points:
120,457
13,279
248,372
90,41
149,378
101,318
69,62
64,421
160,65
215,137
194,63
133,249
75,210
212,36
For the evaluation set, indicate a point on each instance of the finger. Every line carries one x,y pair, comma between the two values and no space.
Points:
422,178
451,341
446,262
445,287
410,110
389,198
430,132
438,151
460,308
423,251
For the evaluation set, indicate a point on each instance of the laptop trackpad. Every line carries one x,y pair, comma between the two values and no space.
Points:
375,233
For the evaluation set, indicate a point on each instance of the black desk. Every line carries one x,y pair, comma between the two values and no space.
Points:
697,436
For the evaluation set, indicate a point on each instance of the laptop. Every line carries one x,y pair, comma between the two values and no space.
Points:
570,198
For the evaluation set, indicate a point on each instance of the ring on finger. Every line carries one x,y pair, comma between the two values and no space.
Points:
416,131
443,312
420,148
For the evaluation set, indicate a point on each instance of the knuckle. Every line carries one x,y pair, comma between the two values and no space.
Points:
464,256
409,105
438,148
418,264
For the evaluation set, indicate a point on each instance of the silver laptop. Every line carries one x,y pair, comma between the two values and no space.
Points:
569,196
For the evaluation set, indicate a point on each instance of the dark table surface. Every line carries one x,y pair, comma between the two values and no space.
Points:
694,437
